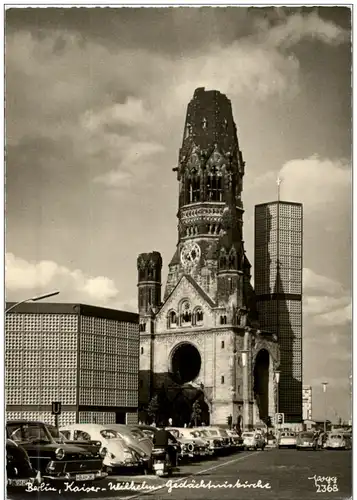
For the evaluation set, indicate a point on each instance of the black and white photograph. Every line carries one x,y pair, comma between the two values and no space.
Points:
178,252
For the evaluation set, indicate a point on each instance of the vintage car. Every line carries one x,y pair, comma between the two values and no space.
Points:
253,440
338,441
287,439
186,446
221,434
189,435
52,458
134,437
236,439
19,471
215,444
306,441
116,452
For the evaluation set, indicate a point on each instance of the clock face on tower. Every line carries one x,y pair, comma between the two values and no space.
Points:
190,254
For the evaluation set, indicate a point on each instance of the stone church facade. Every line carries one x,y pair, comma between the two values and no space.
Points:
203,335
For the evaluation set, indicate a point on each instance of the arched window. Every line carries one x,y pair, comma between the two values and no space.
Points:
223,320
232,259
214,186
222,260
199,317
196,187
186,314
172,319
142,327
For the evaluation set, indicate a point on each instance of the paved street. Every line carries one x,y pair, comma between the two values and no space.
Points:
287,472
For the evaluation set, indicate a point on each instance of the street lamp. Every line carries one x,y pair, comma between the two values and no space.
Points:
277,380
33,299
324,386
244,353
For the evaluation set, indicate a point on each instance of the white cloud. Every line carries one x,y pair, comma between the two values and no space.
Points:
294,28
338,317
302,179
325,300
320,285
40,277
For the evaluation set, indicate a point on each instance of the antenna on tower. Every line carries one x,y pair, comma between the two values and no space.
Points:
279,181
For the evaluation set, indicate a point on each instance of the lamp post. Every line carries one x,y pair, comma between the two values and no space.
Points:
324,386
277,380
244,353
33,299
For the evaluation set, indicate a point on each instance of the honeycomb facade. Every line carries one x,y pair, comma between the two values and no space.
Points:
278,286
85,357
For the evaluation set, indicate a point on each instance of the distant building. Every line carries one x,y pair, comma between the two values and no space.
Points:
85,357
307,402
278,288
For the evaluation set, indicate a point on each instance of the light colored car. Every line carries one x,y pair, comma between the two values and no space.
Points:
287,439
118,452
306,440
338,441
133,436
253,440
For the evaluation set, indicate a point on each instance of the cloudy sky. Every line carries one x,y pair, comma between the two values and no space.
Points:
95,108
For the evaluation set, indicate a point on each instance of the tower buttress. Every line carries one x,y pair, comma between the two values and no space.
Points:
149,267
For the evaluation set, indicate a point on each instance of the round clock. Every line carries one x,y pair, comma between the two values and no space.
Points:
190,254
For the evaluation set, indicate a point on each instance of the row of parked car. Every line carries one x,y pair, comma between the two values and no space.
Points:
38,452
313,440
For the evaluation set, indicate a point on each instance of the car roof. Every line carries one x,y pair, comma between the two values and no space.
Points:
93,426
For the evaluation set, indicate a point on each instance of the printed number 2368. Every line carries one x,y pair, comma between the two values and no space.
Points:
323,488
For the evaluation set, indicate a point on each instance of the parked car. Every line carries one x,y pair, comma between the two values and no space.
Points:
186,449
134,437
215,443
306,440
236,439
253,440
53,458
187,435
19,471
188,446
287,439
338,441
116,452
218,433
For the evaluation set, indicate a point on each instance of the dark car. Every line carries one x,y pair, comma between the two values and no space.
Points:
51,456
306,440
19,471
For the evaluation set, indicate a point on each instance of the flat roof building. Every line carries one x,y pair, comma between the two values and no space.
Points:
83,356
278,286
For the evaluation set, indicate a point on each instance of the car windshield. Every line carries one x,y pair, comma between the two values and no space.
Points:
335,436
56,434
213,433
110,434
248,434
195,434
306,435
175,433
137,433
28,433
288,434
204,433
